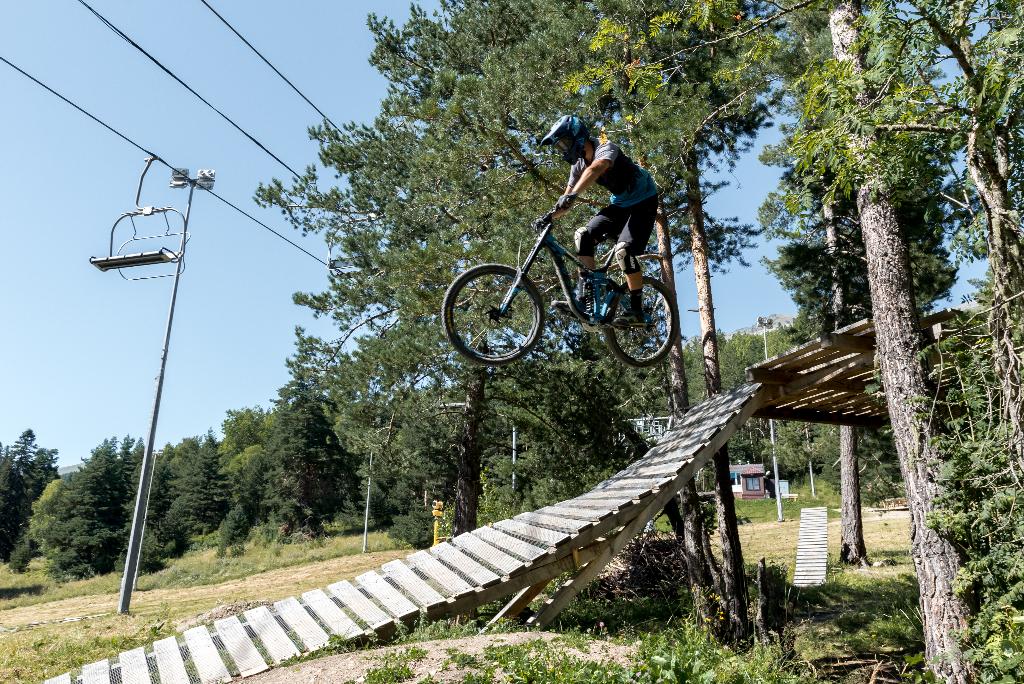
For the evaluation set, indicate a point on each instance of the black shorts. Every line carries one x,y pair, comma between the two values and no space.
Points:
632,225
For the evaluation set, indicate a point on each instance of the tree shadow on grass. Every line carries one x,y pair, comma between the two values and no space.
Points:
8,593
858,614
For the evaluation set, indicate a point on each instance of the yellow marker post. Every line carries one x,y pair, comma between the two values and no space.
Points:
438,513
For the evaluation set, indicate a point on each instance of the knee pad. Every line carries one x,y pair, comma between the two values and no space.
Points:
627,262
584,242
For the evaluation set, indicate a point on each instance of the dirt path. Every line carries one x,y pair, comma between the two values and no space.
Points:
437,664
186,601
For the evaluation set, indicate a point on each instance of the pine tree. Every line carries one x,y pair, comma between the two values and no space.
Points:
87,531
199,485
313,478
12,499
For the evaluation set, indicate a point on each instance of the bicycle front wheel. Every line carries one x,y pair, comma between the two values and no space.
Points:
475,324
646,345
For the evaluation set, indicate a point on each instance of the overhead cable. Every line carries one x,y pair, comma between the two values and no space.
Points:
189,88
156,156
267,62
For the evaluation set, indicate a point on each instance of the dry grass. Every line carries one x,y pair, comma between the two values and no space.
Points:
31,654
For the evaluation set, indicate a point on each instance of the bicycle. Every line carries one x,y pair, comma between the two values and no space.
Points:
493,313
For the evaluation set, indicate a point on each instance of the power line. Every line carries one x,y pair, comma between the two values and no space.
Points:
267,62
189,88
156,156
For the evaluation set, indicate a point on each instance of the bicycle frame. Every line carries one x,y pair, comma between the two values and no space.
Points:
605,290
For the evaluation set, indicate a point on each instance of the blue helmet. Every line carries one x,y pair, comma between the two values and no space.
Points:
569,135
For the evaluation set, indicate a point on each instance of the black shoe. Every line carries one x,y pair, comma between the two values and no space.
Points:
562,308
631,317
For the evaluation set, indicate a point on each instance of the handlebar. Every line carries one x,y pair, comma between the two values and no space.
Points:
544,221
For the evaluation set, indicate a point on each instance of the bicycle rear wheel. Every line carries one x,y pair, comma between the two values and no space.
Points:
645,345
474,324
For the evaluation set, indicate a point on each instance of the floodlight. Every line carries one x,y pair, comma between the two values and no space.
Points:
179,178
205,178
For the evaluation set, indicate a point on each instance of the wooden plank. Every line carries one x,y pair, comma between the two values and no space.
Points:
311,634
627,482
590,515
390,598
239,646
487,554
169,662
536,535
59,679
553,522
134,666
448,582
362,608
459,561
331,615
412,586
512,545
274,639
204,654
96,673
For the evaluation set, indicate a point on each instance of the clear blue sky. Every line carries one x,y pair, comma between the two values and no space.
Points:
79,349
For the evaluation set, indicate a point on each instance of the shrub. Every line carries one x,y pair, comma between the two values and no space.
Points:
415,528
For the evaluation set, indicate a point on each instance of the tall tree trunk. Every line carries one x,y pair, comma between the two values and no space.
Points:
851,548
467,489
733,577
936,561
851,542
988,164
684,509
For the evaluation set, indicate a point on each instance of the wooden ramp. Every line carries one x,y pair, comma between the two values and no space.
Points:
821,381
515,558
812,548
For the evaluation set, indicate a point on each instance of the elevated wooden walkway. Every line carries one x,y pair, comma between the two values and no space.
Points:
823,381
812,548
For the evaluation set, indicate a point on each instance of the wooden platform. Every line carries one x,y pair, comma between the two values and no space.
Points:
827,380
812,548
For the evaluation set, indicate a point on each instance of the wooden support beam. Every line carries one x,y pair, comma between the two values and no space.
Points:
829,373
589,572
767,376
518,603
812,416
851,343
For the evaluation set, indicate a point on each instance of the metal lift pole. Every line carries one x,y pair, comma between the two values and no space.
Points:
131,565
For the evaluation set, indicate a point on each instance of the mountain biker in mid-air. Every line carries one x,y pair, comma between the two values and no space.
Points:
629,218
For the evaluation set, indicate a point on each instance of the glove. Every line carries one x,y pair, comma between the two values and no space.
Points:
565,202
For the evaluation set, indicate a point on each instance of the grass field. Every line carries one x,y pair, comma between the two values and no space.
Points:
192,585
858,612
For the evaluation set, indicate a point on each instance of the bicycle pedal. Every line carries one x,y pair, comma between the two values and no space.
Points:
562,308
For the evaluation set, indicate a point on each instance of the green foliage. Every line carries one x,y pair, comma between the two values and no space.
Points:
415,528
83,524
25,471
981,506
21,555
234,531
311,477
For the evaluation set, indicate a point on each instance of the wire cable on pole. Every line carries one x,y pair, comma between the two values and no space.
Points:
189,88
267,62
156,156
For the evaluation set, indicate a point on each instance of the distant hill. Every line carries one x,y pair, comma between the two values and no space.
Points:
778,321
67,470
